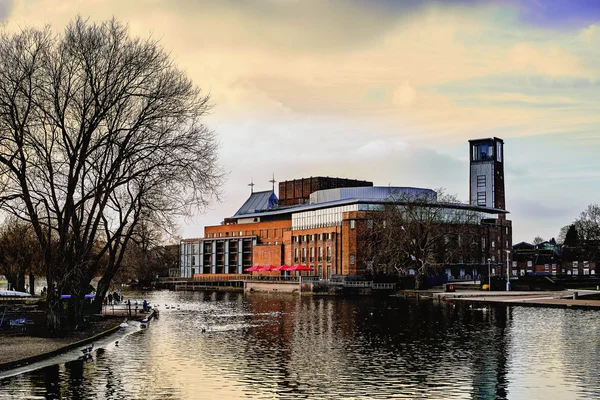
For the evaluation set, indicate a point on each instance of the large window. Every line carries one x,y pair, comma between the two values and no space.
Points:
482,151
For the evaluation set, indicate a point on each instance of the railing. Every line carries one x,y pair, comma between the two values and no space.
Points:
383,286
221,277
310,278
358,284
269,278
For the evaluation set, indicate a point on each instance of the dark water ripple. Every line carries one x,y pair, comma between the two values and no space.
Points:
290,347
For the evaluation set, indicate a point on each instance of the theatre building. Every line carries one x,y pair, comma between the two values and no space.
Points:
314,222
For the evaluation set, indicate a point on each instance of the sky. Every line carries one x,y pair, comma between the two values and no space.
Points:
383,90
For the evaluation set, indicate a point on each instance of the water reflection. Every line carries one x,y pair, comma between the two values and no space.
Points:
280,346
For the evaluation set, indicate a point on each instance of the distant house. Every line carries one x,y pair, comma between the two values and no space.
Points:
551,258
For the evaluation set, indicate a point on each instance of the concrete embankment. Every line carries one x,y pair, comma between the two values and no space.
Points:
21,350
562,299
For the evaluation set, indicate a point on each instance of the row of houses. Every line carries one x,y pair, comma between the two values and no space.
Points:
552,259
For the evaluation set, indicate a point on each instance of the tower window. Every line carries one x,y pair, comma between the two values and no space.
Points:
480,181
498,151
481,198
482,152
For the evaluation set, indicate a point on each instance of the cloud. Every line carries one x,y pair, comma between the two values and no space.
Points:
404,95
383,90
5,9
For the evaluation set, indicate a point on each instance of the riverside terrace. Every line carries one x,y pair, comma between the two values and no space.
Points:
288,284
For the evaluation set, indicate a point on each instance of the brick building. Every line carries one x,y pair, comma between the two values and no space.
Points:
314,222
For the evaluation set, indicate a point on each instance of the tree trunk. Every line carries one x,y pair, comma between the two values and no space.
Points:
101,290
54,313
419,281
32,284
21,282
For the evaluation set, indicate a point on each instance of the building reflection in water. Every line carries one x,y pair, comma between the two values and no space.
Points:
288,346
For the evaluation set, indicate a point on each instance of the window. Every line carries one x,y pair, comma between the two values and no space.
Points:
320,254
304,254
193,260
529,264
351,259
320,236
312,254
482,151
328,254
220,234
483,243
480,181
546,267
481,198
295,255
514,264
352,224
493,258
498,151
493,243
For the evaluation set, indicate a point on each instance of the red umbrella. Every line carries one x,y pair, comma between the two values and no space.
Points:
266,268
298,267
253,268
280,268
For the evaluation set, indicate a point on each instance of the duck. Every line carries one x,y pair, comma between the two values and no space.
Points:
86,351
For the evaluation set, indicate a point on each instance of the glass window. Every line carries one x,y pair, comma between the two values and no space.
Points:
482,151
480,181
351,259
352,223
481,198
498,151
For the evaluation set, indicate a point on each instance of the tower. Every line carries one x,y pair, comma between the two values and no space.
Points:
486,177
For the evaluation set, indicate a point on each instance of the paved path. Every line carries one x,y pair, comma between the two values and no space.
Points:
549,299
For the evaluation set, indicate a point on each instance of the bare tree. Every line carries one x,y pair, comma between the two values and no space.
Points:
147,255
20,254
587,233
538,240
419,234
562,234
97,129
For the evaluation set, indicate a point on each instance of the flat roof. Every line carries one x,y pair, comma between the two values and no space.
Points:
343,202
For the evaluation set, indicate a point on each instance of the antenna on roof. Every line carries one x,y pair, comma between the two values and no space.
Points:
251,184
273,181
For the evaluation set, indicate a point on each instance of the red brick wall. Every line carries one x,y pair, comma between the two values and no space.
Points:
269,231
267,254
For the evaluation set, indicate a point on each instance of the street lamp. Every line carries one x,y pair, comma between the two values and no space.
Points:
490,274
507,270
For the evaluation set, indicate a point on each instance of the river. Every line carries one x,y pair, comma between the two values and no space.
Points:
262,346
